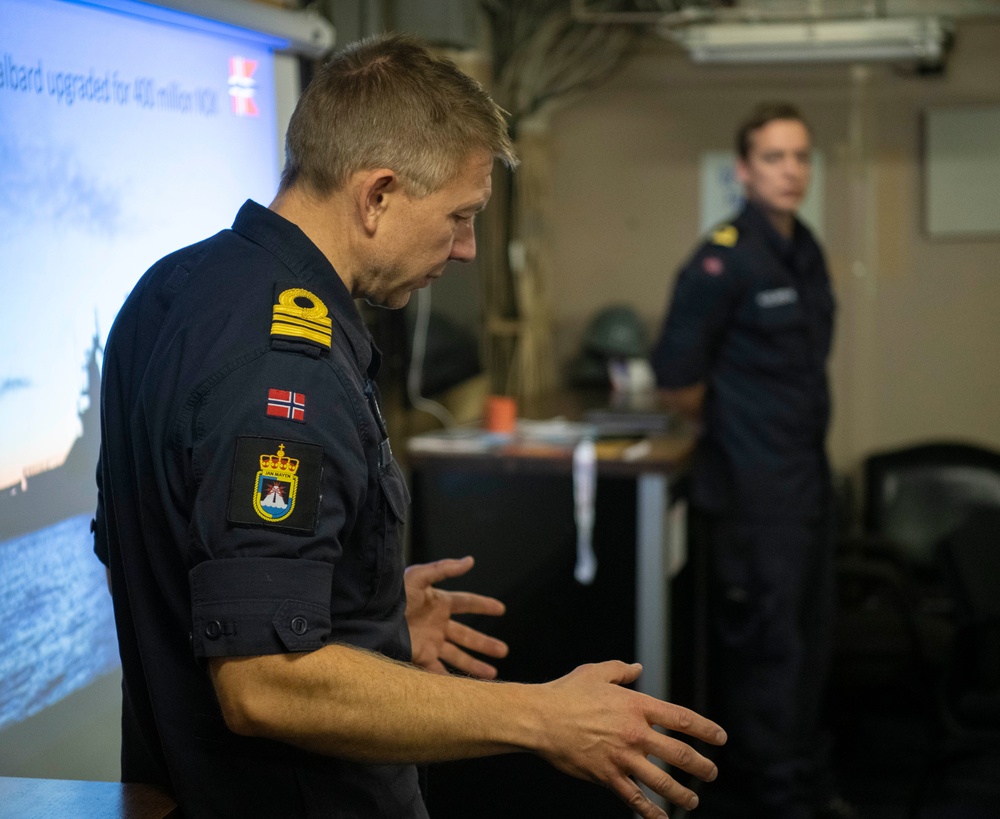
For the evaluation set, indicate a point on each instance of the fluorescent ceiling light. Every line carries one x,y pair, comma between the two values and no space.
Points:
884,38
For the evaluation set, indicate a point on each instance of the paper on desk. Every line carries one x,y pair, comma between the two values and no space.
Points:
554,430
457,439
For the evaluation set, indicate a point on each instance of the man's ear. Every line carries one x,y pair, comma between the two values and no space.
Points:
373,192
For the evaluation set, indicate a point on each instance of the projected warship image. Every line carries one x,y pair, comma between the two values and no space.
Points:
44,497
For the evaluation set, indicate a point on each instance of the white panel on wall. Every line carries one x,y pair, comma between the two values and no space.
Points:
962,171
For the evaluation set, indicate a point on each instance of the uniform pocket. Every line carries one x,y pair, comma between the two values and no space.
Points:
394,500
394,489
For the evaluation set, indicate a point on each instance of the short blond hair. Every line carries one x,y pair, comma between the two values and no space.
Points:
387,102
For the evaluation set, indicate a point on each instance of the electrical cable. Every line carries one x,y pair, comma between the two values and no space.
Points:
415,372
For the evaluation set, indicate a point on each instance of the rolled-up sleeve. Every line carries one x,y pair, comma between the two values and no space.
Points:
249,606
274,501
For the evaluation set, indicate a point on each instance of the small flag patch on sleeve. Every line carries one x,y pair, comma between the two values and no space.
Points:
286,404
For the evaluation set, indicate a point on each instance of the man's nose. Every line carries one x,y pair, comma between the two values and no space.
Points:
795,166
463,249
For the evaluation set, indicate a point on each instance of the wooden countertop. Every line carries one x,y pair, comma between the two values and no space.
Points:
25,798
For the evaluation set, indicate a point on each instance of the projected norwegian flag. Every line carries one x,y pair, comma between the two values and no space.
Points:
242,86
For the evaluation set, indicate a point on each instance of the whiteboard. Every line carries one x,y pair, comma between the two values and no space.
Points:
962,171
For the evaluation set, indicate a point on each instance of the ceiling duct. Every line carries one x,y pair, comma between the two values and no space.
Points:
922,40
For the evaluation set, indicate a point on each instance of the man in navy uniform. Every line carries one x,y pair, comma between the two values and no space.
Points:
275,654
743,350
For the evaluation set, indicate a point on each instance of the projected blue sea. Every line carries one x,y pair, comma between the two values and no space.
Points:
58,633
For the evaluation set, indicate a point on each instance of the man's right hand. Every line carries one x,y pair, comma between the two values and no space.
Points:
353,704
598,730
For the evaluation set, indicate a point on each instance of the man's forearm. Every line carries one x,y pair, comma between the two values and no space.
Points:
686,401
349,703
342,701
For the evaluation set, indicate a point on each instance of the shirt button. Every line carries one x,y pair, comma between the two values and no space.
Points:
213,630
300,625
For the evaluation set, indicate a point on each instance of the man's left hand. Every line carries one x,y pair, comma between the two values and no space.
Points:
436,638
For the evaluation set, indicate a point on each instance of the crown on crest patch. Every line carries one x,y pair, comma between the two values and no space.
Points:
278,464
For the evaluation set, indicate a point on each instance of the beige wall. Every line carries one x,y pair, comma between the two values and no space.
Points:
917,351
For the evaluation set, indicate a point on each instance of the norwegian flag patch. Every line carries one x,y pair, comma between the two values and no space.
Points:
712,265
286,404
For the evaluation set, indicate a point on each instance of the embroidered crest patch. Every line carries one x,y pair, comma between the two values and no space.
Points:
275,483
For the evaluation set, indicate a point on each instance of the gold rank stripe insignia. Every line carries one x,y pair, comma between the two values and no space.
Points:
725,236
299,314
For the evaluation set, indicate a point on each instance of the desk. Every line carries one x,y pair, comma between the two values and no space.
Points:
510,505
22,798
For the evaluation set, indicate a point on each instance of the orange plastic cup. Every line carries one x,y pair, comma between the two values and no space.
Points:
500,413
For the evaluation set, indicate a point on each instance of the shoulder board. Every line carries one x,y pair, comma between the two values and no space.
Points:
725,236
299,315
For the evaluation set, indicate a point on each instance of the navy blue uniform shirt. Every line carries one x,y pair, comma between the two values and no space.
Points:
249,504
752,317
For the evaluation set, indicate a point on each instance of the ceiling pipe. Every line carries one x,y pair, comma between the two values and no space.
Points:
812,11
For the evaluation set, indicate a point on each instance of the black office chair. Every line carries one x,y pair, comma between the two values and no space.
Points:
897,616
962,772
915,496
971,690
896,611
